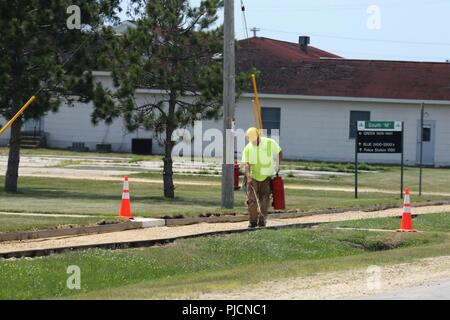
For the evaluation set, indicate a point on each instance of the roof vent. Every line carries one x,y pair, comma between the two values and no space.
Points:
304,42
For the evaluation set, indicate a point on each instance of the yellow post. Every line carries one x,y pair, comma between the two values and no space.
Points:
258,106
17,115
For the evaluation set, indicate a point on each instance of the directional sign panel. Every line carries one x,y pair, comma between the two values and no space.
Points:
380,126
379,137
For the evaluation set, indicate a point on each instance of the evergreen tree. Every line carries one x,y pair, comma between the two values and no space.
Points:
41,49
177,49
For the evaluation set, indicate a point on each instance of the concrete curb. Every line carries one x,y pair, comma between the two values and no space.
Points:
29,235
150,222
294,214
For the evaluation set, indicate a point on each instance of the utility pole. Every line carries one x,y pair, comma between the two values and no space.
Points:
229,96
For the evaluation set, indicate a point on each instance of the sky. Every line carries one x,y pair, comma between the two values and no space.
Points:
412,30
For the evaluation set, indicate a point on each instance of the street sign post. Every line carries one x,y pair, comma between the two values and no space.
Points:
375,137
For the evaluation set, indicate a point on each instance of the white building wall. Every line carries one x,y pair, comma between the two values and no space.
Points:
441,115
4,138
311,128
73,124
319,130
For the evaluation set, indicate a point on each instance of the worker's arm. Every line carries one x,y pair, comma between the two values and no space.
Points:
279,158
247,174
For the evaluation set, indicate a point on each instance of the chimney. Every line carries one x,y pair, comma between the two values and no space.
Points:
304,42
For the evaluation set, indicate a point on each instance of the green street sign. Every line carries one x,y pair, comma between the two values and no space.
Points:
380,126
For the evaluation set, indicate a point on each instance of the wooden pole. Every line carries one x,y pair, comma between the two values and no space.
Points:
257,104
17,115
229,96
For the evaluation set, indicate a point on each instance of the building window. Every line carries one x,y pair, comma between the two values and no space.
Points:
270,119
356,116
426,134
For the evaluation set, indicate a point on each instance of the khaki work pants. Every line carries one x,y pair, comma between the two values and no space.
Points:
262,191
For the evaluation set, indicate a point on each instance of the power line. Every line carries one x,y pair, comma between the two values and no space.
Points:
352,6
71,56
363,39
244,17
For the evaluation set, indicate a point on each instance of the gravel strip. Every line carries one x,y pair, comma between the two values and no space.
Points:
350,284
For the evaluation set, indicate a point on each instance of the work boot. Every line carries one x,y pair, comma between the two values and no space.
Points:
261,222
252,225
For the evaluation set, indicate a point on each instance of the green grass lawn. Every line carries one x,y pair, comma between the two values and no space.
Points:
330,166
221,262
434,179
9,223
428,223
101,198
55,195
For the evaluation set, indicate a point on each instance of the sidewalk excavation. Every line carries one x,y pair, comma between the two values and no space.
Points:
163,235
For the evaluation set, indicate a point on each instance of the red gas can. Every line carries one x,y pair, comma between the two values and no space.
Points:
237,173
278,193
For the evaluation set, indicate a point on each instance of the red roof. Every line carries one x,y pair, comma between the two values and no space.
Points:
286,69
281,51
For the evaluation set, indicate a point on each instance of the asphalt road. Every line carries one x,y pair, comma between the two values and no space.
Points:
434,291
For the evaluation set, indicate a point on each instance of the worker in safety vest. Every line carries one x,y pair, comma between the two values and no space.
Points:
262,157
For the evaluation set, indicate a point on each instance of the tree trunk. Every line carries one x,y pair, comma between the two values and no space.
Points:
12,172
169,188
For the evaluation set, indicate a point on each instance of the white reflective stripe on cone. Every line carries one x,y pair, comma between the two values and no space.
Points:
407,199
125,185
407,209
125,195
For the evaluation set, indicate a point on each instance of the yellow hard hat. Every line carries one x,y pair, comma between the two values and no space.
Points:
252,134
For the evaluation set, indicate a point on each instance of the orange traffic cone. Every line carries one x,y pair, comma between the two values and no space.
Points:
125,208
406,225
